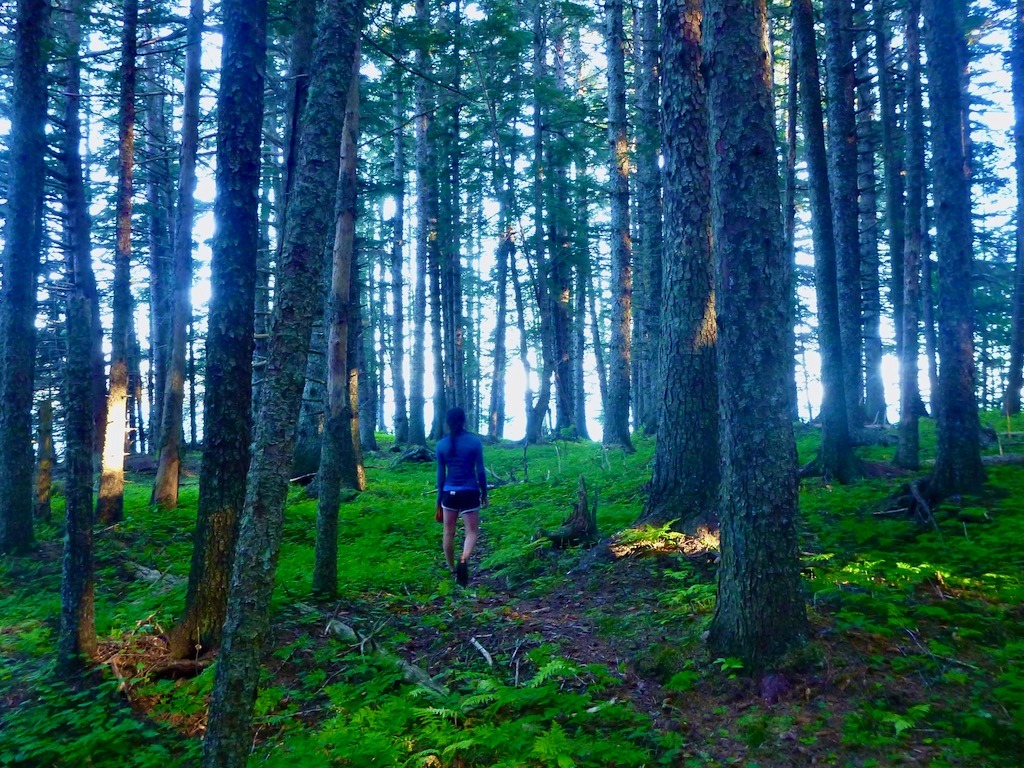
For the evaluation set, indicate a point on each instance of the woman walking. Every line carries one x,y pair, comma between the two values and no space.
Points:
461,489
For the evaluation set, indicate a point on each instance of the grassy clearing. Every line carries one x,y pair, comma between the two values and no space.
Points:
550,659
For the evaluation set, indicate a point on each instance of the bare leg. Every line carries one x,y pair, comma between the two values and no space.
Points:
448,539
472,522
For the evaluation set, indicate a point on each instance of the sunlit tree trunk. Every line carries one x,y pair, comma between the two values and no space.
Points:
616,426
760,613
958,468
110,505
227,405
165,487
229,731
685,477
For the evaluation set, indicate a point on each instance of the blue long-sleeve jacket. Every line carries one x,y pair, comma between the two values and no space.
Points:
463,468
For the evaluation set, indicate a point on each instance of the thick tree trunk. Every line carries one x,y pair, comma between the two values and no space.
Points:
908,450
21,258
110,505
227,405
685,478
336,465
229,731
842,163
958,468
760,613
1011,399
46,458
836,454
165,486
867,146
616,423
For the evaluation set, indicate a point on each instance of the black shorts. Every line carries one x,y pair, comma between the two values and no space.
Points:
461,501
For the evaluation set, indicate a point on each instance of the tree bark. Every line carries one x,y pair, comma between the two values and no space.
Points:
110,505
836,454
908,449
685,478
398,260
227,405
616,426
1011,399
958,468
229,730
842,162
760,613
21,259
337,453
165,486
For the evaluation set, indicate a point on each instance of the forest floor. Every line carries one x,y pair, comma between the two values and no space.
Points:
549,657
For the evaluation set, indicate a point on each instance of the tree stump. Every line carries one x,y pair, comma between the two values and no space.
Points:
581,526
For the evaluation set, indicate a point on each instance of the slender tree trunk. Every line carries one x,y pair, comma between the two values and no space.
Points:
685,479
506,251
1011,399
760,613
648,251
958,468
867,145
789,215
77,633
227,405
836,455
336,466
110,505
842,160
45,459
398,264
595,332
524,348
908,450
892,161
616,430
165,487
229,730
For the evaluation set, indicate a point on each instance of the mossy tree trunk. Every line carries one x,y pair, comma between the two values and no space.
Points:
759,613
684,482
227,405
21,258
958,468
229,730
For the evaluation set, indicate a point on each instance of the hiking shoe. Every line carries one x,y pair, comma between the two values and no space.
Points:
462,573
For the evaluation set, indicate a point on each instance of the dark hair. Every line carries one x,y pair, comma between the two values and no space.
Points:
456,418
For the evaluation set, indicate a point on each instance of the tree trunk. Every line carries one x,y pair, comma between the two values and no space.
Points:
21,258
789,215
842,163
892,161
45,459
398,263
648,251
1011,399
908,449
165,486
110,505
227,404
958,468
506,251
77,634
616,426
867,145
685,479
836,454
336,455
760,613
229,730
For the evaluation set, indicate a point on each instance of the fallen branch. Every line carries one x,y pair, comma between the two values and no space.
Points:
483,651
410,672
